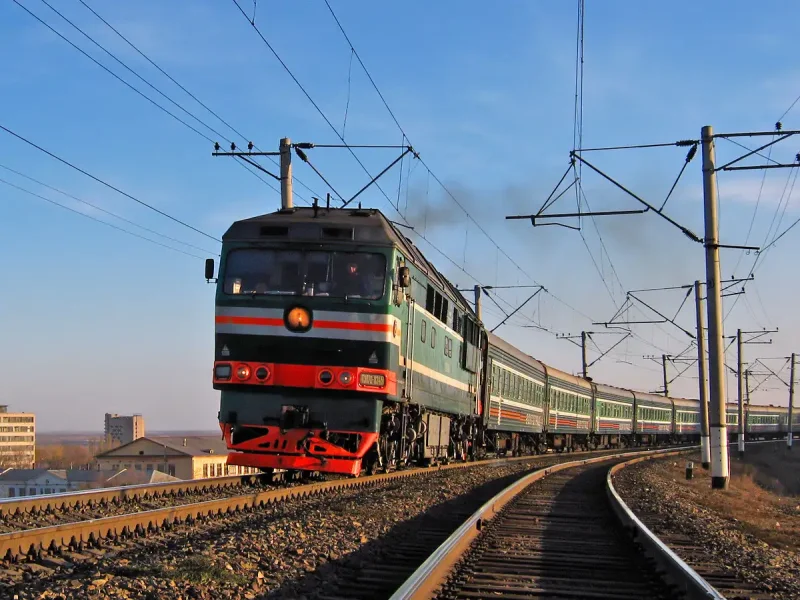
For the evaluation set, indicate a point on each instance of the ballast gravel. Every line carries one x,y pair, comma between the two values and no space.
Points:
659,494
294,549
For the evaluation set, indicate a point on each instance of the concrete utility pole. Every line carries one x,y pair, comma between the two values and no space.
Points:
718,434
791,405
286,173
478,303
740,383
747,387
583,354
666,380
705,451
742,378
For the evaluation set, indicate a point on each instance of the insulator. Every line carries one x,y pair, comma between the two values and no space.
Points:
216,146
233,147
691,153
301,154
250,146
778,126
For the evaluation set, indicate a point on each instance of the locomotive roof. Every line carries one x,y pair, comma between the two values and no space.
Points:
334,226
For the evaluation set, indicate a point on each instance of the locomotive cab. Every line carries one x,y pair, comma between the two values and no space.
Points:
307,337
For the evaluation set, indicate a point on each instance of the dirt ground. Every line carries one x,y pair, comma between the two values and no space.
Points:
763,495
749,532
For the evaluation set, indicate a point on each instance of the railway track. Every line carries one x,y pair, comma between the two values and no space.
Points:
692,553
553,534
34,543
77,519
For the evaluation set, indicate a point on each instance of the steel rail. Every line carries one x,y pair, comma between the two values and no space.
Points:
63,500
34,541
679,573
435,570
118,494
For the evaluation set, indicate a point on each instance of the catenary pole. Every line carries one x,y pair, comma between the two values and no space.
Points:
664,368
705,452
478,303
286,173
583,354
740,383
791,405
718,431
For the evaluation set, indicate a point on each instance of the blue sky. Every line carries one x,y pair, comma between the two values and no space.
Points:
94,320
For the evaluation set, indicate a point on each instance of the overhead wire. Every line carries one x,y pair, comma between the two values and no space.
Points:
108,185
430,172
100,208
110,72
308,96
195,98
106,223
447,191
145,81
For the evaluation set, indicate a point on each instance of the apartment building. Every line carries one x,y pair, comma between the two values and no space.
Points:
17,439
121,429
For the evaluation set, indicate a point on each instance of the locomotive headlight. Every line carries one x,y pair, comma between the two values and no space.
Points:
243,372
298,319
222,371
262,373
325,377
345,378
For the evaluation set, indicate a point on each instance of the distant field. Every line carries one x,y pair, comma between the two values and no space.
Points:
83,438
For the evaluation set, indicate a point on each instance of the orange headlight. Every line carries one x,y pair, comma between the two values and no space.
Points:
298,319
243,372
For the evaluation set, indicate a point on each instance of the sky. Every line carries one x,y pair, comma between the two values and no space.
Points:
95,320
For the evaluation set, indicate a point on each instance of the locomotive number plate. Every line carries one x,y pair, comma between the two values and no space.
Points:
372,380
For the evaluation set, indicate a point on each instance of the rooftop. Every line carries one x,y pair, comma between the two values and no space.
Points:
205,445
70,475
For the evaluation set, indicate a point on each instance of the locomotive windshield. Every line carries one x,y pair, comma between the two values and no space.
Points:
308,273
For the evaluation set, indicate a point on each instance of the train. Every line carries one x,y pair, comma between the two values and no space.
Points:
340,348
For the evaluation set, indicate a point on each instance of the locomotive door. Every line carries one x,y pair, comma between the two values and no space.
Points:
409,357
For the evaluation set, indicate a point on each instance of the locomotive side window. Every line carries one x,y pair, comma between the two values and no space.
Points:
433,337
254,271
422,329
430,298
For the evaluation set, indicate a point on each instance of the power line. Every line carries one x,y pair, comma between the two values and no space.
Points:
145,81
333,128
100,208
134,72
193,96
308,96
110,72
77,212
108,185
